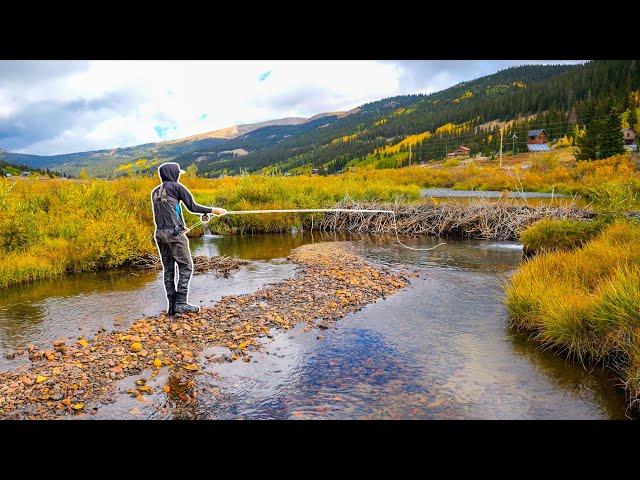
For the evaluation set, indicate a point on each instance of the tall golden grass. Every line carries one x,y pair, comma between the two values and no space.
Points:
586,302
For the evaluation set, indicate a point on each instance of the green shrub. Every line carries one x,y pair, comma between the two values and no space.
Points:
612,200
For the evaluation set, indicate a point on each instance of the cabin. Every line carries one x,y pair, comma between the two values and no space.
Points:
460,152
24,174
537,140
536,137
628,136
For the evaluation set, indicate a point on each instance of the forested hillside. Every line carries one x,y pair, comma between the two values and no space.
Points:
560,99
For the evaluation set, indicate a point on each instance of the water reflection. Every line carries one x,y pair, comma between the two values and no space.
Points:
597,383
25,309
261,246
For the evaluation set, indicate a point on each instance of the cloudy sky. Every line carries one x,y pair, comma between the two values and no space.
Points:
52,107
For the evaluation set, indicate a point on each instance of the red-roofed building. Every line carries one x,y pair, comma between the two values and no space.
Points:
460,152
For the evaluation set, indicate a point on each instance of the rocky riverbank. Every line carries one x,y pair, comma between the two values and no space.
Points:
76,377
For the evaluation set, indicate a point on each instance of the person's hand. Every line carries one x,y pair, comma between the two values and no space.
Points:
218,211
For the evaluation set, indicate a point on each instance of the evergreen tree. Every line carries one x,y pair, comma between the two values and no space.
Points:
632,119
588,143
611,142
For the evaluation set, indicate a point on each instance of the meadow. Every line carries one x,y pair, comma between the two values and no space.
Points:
50,227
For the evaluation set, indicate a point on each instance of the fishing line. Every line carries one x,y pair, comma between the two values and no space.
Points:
204,219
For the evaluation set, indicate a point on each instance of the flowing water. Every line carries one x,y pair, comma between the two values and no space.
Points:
438,349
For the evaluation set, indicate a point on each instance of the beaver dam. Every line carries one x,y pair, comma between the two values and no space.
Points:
481,219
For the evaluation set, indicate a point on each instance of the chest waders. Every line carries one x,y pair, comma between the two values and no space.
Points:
173,247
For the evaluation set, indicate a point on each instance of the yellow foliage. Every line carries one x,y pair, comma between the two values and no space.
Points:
451,129
346,138
410,140
465,95
403,111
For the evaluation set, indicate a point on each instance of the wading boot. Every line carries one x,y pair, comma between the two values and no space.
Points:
172,305
186,308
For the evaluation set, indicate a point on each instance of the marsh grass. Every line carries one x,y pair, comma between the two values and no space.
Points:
550,235
585,302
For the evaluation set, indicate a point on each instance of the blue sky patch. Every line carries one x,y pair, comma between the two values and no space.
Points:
264,76
162,131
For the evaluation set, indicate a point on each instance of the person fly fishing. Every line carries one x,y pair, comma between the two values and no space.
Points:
170,237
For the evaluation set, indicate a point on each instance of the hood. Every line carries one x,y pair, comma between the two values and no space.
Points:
169,172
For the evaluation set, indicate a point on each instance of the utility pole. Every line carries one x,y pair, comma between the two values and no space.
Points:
514,143
501,132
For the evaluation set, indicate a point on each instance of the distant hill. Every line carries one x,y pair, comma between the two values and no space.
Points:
106,162
390,132
237,130
16,168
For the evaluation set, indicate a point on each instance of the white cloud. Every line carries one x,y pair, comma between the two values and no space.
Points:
105,104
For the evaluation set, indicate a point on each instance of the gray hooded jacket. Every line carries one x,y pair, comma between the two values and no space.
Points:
166,199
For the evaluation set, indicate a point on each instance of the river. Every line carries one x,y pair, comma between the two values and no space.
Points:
439,349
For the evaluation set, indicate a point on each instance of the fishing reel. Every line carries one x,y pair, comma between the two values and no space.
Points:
204,219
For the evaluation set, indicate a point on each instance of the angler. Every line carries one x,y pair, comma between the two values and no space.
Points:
170,237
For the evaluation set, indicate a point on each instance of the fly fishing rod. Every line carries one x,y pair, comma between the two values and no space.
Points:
205,218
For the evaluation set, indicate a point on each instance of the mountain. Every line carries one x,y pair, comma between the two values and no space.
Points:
237,130
394,131
107,161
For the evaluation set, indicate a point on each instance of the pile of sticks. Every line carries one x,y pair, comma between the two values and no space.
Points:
222,265
481,219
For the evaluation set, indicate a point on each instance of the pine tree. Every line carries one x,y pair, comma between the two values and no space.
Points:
588,143
611,142
632,119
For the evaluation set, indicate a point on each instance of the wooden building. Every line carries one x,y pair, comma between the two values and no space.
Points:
461,151
537,140
629,136
537,137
